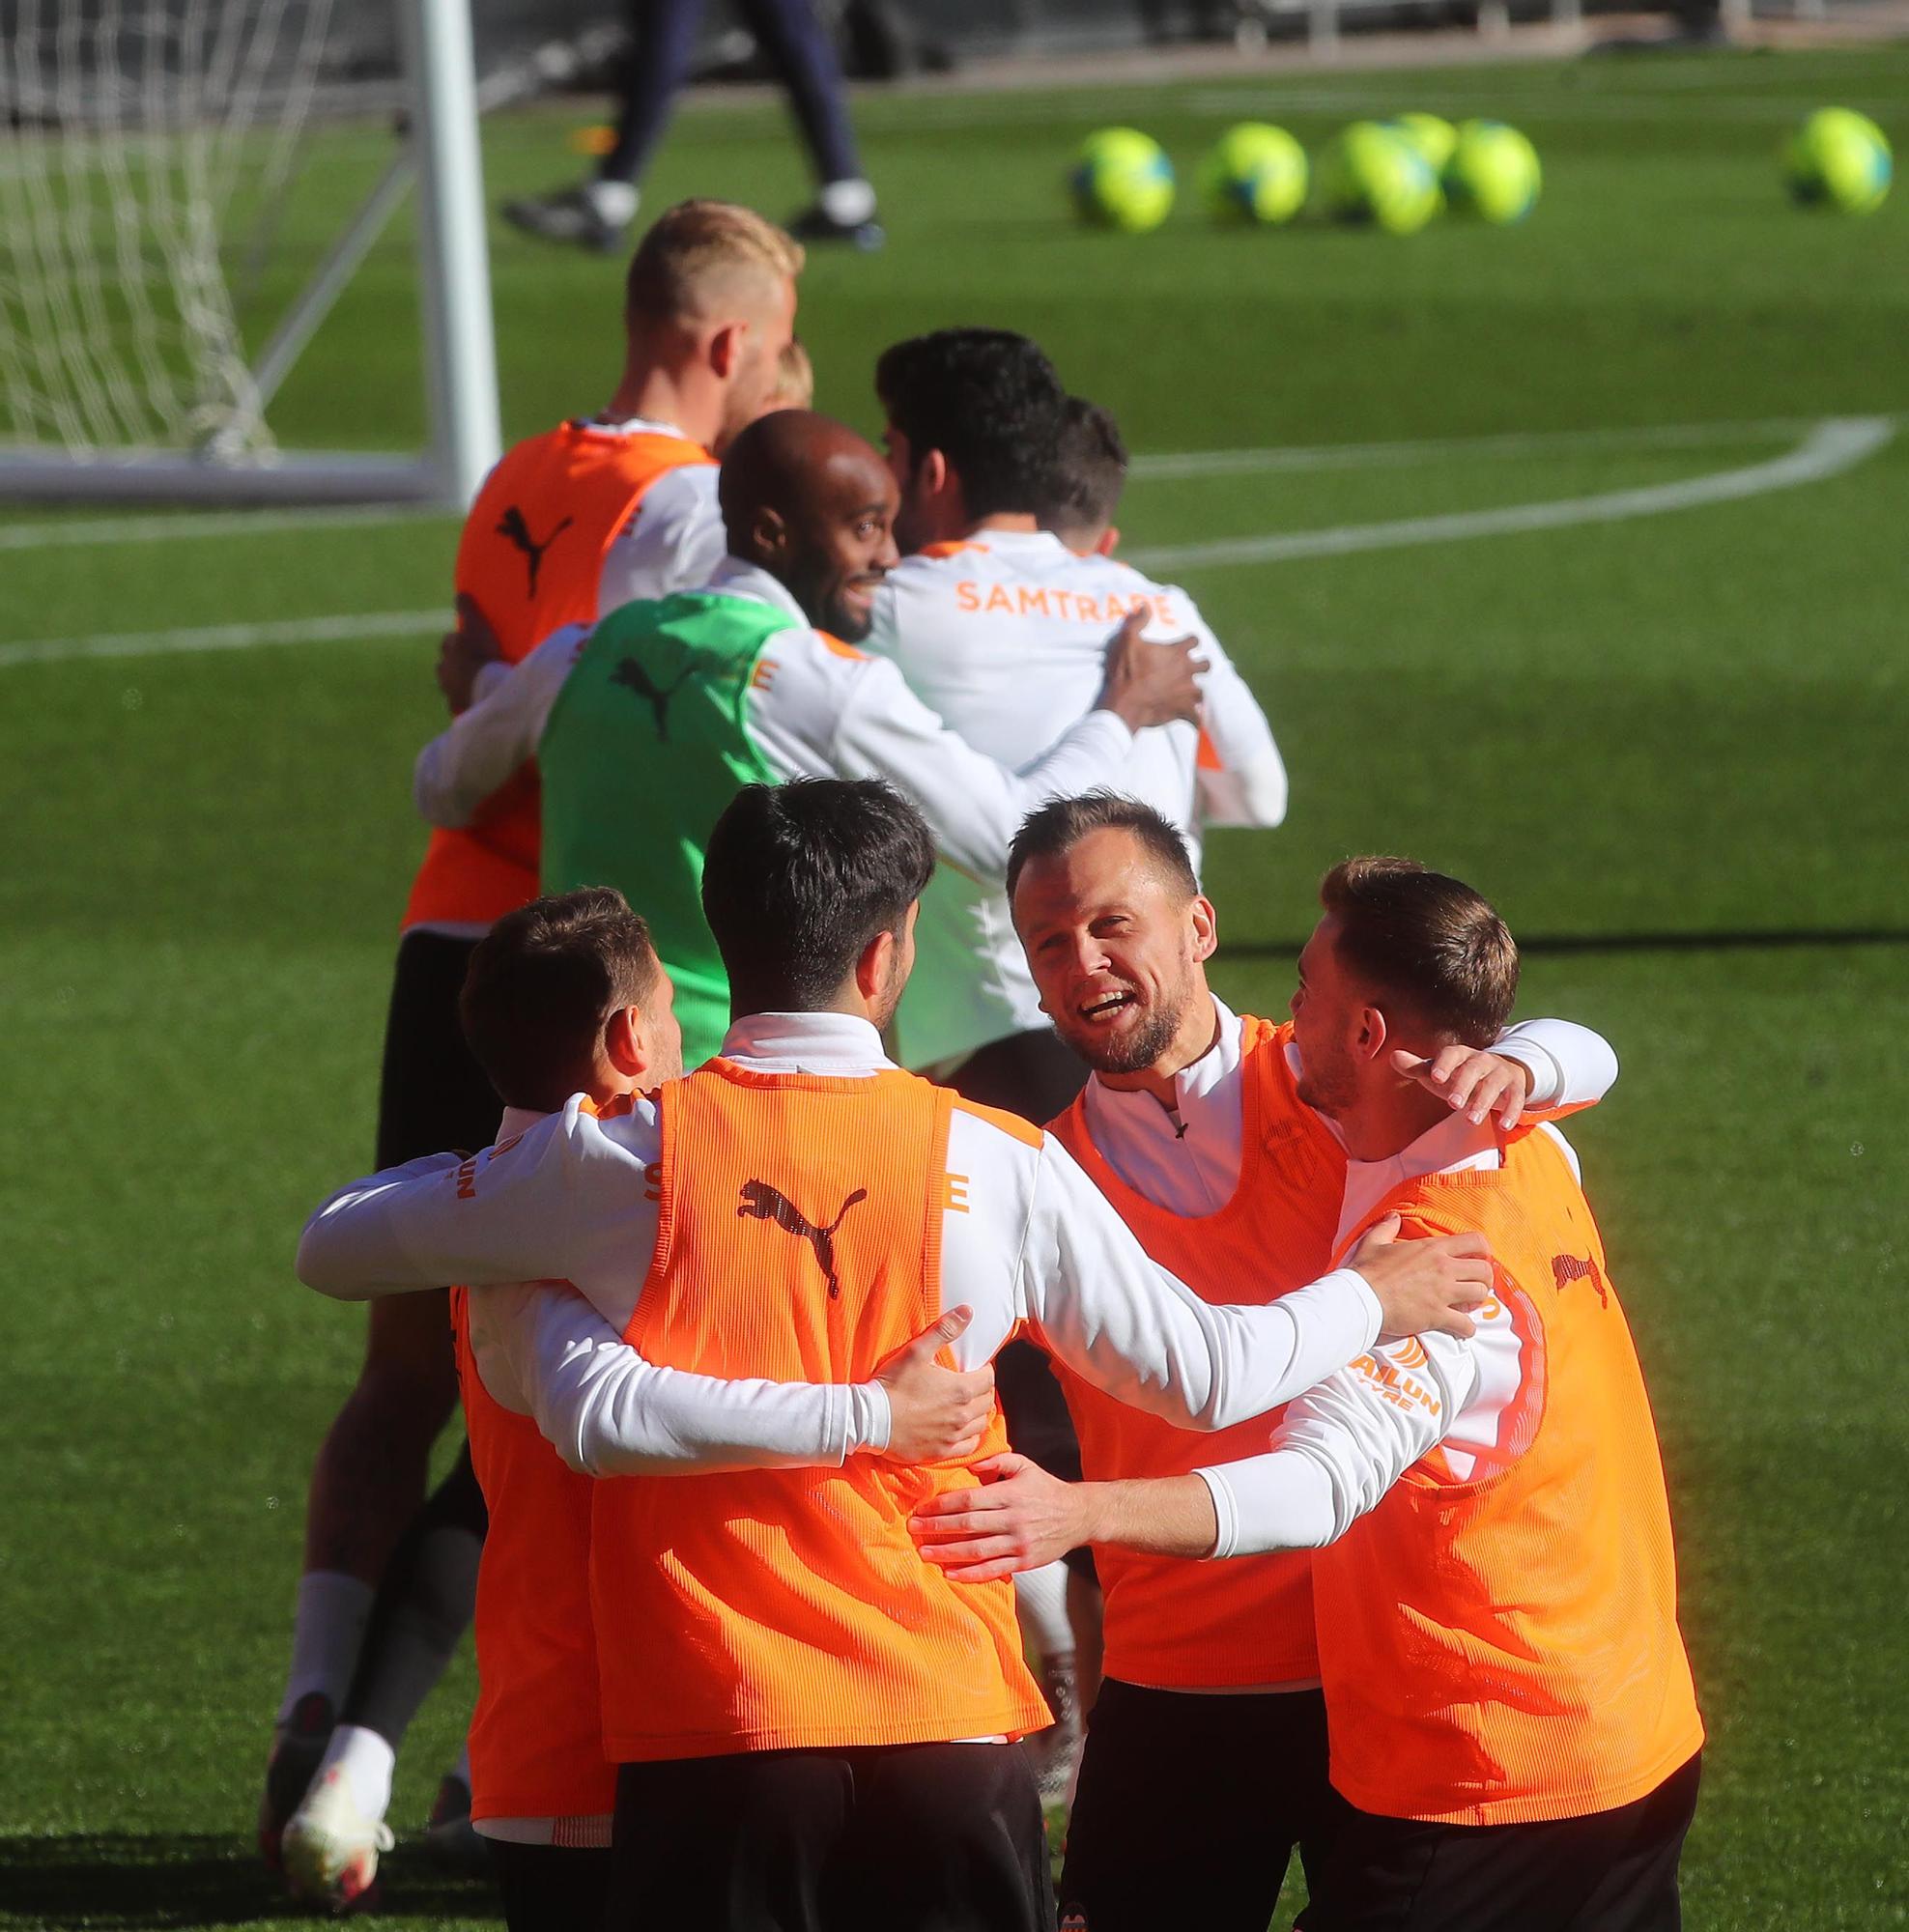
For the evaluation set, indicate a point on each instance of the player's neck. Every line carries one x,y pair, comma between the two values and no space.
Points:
1387,1119
1196,1036
658,395
1022,521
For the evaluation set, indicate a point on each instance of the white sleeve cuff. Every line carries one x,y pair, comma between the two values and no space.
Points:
870,1419
1281,1500
1369,1305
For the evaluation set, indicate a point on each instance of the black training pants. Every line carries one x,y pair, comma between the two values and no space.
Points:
940,1838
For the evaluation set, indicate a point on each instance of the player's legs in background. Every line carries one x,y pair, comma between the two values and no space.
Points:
598,212
805,58
421,1610
1192,1797
369,1479
948,1835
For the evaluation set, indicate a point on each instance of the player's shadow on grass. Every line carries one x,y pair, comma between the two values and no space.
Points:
110,1879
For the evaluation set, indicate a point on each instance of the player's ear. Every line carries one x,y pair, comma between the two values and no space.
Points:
931,474
626,1042
724,349
875,965
768,529
1109,542
1374,1033
1205,928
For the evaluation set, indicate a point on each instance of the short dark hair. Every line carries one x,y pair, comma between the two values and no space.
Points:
989,401
1426,941
1090,470
542,982
798,880
1062,823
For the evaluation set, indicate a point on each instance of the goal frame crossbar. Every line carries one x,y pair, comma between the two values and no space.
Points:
442,155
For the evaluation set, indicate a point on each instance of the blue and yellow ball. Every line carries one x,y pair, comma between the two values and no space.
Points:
1840,159
1122,178
1371,173
1492,172
1256,173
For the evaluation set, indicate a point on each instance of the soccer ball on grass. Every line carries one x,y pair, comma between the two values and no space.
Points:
1371,173
1492,172
1256,173
1838,159
1123,179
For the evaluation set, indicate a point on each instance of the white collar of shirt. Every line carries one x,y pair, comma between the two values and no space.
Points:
734,578
837,1043
1187,1159
1455,1146
1019,542
636,426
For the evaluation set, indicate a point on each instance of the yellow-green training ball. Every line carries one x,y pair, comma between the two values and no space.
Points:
1372,173
1256,173
1838,159
1492,172
1433,137
1123,179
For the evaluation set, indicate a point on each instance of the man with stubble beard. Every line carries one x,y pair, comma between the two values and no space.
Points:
647,726
1205,1755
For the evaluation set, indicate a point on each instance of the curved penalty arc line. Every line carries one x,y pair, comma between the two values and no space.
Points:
1833,445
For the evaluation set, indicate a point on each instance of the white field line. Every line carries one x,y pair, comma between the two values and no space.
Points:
177,526
226,638
1381,455
1829,447
1834,445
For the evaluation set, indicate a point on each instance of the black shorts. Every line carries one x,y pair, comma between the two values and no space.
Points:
551,1888
870,1839
432,1095
1613,1871
1189,1806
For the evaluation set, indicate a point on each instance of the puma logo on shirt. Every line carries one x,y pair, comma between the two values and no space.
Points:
514,529
1567,1269
762,1203
633,675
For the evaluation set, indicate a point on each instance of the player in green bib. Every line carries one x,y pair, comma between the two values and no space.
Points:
644,727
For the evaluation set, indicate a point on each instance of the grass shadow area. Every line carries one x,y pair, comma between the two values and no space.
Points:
108,1879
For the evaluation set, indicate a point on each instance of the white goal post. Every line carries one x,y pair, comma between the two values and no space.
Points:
121,375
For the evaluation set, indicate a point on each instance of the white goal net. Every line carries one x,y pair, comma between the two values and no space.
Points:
146,153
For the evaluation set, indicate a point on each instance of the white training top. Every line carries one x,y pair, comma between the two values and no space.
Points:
1027,1238
816,709
1006,637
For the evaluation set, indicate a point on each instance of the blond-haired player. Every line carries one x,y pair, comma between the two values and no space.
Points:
584,516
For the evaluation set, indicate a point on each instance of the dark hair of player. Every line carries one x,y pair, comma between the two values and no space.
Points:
1089,472
541,983
800,878
1425,944
989,401
1059,825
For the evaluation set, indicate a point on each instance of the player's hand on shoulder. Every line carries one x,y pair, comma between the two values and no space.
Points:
1472,1081
1424,1286
1151,684
935,1415
463,653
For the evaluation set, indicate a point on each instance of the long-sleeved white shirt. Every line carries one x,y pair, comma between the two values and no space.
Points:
1187,1159
1027,1238
814,710
1342,1445
1005,637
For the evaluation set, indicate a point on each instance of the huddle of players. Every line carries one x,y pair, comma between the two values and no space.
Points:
1198,1129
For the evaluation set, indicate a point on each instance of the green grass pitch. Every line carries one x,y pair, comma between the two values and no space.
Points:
1670,746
